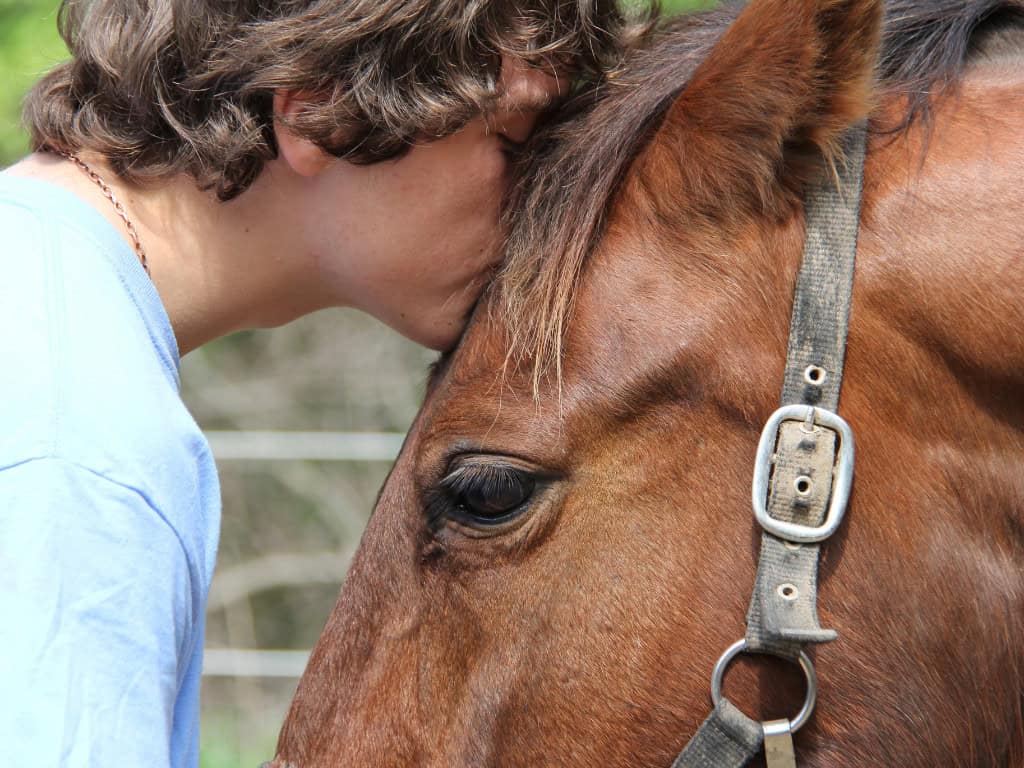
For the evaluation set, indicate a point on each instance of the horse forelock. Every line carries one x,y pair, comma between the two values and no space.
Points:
559,204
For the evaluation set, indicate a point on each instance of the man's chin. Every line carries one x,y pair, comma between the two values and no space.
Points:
440,334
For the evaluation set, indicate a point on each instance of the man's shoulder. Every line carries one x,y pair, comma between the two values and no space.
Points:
75,350
89,357
107,409
36,214
70,304
119,433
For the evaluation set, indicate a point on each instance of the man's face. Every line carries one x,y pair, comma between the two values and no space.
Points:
414,240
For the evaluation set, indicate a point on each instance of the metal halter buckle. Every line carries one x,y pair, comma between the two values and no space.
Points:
814,417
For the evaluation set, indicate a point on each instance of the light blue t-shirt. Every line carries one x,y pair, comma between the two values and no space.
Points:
109,502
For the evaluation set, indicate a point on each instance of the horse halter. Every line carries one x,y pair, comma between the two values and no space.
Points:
802,476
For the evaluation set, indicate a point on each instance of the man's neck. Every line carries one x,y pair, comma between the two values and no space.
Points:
218,267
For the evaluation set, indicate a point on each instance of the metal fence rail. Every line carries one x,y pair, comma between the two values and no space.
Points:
241,662
309,446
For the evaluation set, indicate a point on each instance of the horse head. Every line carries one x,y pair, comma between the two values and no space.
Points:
565,544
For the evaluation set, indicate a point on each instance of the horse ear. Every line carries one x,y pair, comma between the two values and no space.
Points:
777,92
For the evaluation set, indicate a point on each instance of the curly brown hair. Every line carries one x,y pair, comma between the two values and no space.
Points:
186,86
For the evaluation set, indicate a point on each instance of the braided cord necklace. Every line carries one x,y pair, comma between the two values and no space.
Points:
118,205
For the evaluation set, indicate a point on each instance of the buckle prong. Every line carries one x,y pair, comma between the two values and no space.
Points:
808,425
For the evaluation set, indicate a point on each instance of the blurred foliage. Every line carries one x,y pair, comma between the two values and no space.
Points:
673,7
335,370
233,738
29,45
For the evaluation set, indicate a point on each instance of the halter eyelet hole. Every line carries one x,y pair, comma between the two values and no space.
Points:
788,592
802,485
815,375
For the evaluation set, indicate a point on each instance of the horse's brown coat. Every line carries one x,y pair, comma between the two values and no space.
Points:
585,633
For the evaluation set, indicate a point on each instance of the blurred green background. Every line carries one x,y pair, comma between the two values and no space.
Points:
333,371
29,45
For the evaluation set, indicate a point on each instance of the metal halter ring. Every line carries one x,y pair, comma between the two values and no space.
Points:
805,664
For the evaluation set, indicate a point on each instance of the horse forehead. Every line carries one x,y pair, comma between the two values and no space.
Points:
682,311
655,304
638,341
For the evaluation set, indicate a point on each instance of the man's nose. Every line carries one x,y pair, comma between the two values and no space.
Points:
526,92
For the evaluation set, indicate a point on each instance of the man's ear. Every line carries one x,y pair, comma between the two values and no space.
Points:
777,92
302,155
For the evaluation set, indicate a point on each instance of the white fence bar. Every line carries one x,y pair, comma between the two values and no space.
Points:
316,446
282,569
239,662
287,446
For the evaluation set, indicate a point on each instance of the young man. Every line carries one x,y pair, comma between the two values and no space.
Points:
203,167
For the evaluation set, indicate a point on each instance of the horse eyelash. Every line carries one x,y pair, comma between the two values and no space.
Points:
487,478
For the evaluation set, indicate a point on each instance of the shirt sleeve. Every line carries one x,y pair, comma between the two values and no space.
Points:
95,620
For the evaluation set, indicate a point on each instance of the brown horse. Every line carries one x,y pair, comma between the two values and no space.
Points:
558,559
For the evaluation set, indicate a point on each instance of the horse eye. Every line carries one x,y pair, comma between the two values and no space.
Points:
499,500
489,494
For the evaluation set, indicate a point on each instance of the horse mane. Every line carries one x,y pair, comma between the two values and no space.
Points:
558,205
